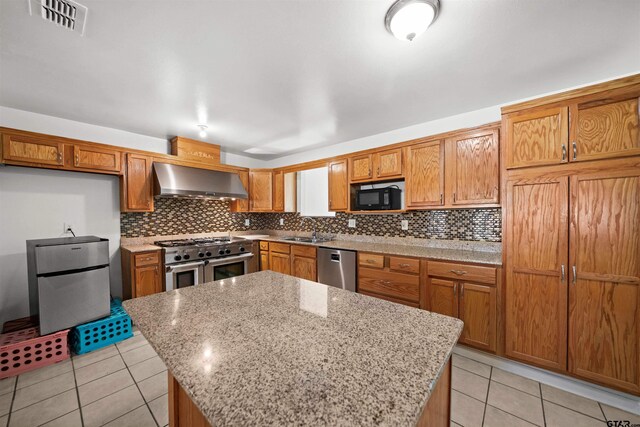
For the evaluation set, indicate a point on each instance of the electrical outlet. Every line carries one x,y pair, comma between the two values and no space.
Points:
281,221
247,222
66,226
352,223
405,224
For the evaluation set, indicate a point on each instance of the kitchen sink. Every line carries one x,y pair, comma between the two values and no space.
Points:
307,239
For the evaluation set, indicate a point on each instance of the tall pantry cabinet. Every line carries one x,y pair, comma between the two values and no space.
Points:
572,233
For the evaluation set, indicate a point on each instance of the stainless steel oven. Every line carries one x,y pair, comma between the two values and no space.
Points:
227,267
183,275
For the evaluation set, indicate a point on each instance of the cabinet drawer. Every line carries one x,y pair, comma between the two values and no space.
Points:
396,300
405,265
147,258
307,251
370,260
264,246
390,284
283,248
468,273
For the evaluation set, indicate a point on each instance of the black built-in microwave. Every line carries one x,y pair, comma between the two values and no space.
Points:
378,199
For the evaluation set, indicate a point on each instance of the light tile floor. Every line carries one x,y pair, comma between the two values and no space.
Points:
126,385
487,396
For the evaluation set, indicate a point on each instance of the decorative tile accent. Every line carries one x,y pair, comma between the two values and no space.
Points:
186,216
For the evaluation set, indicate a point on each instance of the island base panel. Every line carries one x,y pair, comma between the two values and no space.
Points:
437,411
184,413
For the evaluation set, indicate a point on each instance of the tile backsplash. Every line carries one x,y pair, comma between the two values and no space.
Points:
186,216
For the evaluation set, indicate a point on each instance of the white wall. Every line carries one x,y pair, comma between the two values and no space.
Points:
34,204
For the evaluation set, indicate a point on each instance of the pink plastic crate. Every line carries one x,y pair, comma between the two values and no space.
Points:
25,350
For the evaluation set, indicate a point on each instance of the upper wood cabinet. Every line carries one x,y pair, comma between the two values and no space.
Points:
136,192
242,205
380,165
96,158
425,175
32,151
338,186
388,164
278,191
536,239
361,167
605,128
537,138
473,168
604,290
261,194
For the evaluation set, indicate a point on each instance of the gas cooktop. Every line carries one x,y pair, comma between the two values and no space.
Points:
204,241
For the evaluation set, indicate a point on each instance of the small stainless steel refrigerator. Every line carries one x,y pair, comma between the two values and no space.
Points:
68,281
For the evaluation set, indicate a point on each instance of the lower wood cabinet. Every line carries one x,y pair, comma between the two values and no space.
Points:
141,273
389,277
295,260
469,293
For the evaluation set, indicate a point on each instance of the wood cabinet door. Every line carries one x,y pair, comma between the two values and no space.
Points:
278,191
32,150
338,186
261,196
536,244
473,168
280,263
100,159
361,167
264,260
443,296
147,280
388,163
425,175
604,294
538,138
242,205
477,310
605,128
304,268
138,191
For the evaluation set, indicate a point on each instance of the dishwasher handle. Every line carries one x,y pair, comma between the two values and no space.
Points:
335,257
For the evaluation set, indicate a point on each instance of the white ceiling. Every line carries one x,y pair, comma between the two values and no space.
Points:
278,77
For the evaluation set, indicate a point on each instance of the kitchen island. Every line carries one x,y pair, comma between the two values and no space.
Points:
272,349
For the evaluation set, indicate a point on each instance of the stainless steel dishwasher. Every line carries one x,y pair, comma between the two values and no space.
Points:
337,268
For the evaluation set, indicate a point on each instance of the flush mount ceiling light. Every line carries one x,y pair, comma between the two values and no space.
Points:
203,131
407,19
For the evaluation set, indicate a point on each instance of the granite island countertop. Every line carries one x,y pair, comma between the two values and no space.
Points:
271,349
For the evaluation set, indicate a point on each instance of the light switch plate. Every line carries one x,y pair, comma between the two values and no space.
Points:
352,223
247,222
281,221
404,224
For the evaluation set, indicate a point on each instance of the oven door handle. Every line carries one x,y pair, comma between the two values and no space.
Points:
230,259
171,268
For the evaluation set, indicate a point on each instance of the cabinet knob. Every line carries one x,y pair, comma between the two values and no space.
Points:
564,152
60,157
575,150
77,159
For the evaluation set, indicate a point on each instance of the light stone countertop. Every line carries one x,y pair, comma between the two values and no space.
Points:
434,253
271,349
435,250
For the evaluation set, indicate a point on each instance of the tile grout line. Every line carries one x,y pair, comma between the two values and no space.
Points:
602,410
15,390
544,415
471,372
577,412
75,381
139,391
486,398
514,416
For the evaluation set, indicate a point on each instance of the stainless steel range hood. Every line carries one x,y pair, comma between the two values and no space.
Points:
183,181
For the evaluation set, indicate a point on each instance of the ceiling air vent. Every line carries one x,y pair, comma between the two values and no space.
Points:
64,13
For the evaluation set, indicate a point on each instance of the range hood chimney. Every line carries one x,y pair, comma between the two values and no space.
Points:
183,181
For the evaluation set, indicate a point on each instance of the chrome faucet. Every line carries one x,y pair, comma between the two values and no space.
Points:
314,235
